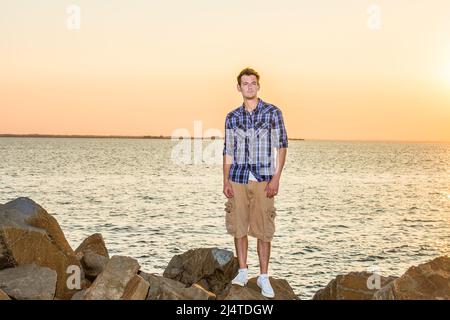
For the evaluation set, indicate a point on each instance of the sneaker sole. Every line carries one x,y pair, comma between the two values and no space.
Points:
242,284
265,294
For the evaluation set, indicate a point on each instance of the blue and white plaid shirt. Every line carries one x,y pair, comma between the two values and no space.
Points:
252,140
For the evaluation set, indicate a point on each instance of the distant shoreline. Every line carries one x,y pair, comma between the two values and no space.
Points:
5,135
93,136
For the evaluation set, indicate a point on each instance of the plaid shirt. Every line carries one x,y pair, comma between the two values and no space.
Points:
252,140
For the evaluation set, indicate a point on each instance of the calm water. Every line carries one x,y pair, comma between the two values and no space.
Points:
342,206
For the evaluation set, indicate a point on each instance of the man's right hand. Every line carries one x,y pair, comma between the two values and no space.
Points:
228,189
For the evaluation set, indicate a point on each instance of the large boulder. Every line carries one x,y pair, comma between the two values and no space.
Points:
427,281
352,286
28,282
162,288
282,289
112,283
28,234
211,268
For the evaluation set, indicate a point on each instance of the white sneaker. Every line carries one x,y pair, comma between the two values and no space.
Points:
266,289
241,278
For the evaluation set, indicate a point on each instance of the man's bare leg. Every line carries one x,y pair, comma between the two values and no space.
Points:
263,280
241,245
264,255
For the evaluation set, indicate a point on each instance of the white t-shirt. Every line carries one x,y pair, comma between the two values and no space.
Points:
251,176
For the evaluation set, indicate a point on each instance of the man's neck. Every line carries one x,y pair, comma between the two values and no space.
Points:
250,104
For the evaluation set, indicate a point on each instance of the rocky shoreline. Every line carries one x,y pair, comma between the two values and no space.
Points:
37,263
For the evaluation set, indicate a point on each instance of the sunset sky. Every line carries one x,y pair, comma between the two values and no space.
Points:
150,67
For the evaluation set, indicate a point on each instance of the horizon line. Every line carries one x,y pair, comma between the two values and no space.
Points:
87,136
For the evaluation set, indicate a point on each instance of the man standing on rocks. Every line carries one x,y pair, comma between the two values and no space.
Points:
253,157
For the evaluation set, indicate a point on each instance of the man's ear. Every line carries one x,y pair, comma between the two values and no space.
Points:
238,87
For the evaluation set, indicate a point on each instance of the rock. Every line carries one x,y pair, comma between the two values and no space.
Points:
212,268
208,294
112,282
427,281
4,296
85,284
28,234
282,289
79,295
93,244
162,288
137,289
93,264
93,255
352,286
29,282
242,293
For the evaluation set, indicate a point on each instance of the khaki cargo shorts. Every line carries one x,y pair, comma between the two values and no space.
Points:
250,211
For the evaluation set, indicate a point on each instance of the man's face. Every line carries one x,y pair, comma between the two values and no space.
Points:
249,86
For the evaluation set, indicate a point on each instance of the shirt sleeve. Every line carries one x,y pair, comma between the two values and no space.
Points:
228,139
280,134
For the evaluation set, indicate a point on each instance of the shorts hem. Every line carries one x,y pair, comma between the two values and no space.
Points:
234,235
262,238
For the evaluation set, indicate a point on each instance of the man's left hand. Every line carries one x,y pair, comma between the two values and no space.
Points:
272,187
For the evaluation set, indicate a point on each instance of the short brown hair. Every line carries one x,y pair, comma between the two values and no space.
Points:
247,72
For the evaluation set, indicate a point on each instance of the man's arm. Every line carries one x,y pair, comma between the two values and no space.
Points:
281,144
281,159
227,189
227,158
274,183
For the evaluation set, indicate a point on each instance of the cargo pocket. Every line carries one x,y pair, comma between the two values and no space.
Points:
229,216
269,225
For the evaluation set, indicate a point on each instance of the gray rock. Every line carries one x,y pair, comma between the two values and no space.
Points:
212,268
162,288
112,282
29,282
93,264
93,255
79,295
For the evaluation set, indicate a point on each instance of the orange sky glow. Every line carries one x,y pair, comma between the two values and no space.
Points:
339,70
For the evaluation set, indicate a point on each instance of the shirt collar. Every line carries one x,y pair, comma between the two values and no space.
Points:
259,106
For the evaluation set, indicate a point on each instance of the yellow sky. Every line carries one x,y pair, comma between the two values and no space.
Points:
150,67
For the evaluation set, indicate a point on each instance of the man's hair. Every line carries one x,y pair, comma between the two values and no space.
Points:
247,72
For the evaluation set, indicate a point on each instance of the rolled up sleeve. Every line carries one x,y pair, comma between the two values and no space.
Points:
228,139
281,138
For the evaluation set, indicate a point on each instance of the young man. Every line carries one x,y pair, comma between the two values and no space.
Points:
253,158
